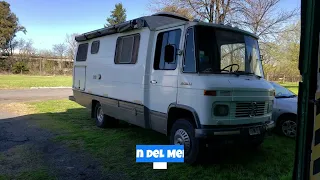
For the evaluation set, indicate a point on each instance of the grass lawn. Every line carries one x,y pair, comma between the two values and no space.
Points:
29,175
115,148
24,81
292,86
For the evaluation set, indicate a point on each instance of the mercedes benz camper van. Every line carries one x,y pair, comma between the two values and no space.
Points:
189,80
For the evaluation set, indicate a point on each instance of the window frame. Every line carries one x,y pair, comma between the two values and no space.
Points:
178,48
97,51
87,44
185,48
115,54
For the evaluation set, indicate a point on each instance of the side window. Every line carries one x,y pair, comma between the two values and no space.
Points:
189,58
82,52
95,47
163,39
127,49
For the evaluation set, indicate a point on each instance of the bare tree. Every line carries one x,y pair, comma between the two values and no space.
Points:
211,10
45,53
262,17
171,7
216,11
60,51
71,45
21,43
26,47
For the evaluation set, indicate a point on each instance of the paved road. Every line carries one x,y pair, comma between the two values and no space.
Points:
8,96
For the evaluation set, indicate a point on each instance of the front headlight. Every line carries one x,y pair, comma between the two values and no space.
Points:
270,106
221,110
273,93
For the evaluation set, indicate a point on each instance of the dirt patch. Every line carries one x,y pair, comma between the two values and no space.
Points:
17,108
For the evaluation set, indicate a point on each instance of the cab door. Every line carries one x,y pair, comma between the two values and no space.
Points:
164,76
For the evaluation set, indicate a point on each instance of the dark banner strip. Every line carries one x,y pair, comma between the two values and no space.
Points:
318,107
317,137
316,166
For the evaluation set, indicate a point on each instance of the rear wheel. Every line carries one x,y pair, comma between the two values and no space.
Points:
182,133
103,120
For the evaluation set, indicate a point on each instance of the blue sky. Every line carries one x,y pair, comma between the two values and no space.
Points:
48,21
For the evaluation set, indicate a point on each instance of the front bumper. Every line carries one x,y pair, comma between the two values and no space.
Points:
243,130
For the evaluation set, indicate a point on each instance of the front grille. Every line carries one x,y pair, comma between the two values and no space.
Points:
250,109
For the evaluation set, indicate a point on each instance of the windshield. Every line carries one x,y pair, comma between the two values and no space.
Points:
223,51
282,92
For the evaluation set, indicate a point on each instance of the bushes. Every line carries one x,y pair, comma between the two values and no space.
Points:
34,66
20,67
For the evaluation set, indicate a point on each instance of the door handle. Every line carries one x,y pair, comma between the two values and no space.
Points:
153,82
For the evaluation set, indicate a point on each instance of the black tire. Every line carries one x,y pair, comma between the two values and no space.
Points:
192,155
103,121
288,120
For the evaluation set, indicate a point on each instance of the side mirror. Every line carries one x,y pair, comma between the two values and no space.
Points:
169,53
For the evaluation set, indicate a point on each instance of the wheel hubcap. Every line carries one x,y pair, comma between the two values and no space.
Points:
99,114
289,128
181,137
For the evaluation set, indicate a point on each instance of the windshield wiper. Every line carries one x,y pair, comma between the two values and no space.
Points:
210,70
290,96
246,73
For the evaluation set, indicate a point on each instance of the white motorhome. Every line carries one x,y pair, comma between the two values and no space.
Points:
189,80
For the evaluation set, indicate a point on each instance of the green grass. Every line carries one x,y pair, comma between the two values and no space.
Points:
23,162
292,86
4,177
28,175
34,175
24,81
115,148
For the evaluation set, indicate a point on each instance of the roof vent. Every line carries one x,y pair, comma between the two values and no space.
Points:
172,15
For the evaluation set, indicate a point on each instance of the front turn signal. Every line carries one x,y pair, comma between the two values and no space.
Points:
209,93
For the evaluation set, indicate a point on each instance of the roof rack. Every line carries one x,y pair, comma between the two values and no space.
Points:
172,15
118,28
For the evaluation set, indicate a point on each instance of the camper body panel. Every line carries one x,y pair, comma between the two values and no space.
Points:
118,81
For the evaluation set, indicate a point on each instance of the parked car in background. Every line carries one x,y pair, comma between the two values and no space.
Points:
285,111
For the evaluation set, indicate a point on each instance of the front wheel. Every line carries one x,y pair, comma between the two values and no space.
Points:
182,133
288,127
